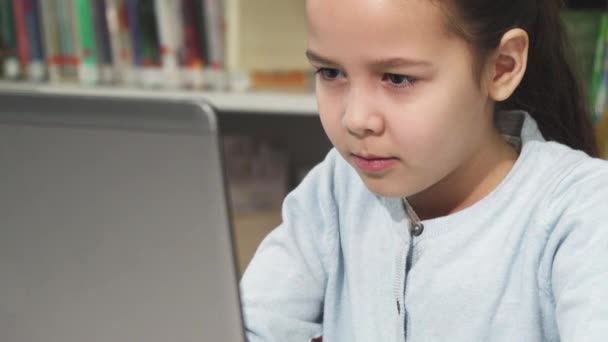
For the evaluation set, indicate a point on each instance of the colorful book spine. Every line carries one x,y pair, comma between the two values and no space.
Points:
23,47
149,44
131,9
203,33
239,79
37,63
143,42
192,54
102,38
8,41
68,40
48,11
214,23
135,39
213,15
170,35
120,40
88,72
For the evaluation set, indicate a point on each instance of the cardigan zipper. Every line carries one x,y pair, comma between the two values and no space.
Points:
416,228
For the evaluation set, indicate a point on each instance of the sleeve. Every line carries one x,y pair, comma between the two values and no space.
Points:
283,287
580,264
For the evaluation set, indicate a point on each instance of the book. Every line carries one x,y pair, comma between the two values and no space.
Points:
8,41
191,54
68,40
88,71
152,43
37,63
120,41
149,44
23,48
213,20
288,81
171,40
50,19
201,26
133,25
102,38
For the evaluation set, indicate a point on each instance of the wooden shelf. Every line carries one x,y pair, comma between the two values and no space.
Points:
247,102
249,231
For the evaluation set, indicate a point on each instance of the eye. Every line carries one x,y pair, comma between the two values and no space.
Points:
399,81
329,74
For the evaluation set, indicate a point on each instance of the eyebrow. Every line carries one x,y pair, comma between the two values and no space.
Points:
313,57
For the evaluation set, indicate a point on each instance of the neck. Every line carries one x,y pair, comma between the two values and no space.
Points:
469,183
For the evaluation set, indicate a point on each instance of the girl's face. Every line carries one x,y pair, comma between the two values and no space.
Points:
396,92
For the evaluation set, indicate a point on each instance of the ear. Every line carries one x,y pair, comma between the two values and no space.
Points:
509,64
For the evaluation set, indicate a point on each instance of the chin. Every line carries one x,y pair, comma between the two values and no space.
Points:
385,188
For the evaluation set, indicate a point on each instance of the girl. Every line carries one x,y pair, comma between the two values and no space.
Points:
461,201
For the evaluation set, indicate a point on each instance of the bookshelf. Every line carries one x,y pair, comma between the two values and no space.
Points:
262,102
225,52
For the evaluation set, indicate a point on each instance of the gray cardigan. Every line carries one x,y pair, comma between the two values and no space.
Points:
529,262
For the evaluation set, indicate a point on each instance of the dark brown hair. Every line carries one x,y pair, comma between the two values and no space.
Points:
550,90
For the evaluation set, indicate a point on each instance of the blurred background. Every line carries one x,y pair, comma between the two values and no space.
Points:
245,57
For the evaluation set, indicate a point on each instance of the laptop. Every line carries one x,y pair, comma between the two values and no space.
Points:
114,223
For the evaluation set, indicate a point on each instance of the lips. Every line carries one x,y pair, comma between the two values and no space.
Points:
373,164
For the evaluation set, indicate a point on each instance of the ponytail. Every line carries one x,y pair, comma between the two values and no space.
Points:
550,90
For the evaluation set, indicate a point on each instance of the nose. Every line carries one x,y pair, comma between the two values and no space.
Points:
361,117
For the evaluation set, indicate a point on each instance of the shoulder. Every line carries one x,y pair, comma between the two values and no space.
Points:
563,173
575,253
577,180
575,209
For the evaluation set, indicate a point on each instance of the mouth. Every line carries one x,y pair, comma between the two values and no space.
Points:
373,164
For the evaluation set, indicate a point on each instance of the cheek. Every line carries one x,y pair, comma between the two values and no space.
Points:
421,138
330,112
440,129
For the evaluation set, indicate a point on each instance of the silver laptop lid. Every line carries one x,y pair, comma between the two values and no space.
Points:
113,222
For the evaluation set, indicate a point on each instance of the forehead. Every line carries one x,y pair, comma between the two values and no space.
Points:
373,27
